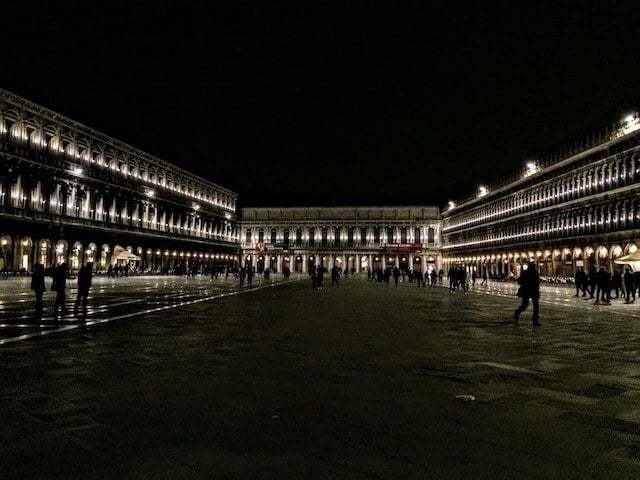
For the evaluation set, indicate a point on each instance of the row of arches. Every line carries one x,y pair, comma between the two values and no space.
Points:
76,200
340,235
615,216
556,262
91,148
597,176
18,253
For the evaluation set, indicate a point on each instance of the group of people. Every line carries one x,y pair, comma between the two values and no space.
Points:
600,283
428,279
60,275
458,279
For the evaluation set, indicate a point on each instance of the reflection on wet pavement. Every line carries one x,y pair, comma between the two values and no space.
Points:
110,299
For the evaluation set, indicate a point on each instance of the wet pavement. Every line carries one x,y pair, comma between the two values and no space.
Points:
356,381
110,299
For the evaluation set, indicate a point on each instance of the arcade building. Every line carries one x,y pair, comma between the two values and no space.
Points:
352,238
69,193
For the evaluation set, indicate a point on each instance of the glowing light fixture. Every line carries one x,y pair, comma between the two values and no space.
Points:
482,191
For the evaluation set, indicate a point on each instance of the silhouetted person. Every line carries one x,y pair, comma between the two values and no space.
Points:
474,277
37,285
616,282
581,280
85,275
628,285
396,275
335,275
243,274
529,282
250,273
59,285
592,280
603,284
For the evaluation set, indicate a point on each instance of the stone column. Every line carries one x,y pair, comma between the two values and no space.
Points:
357,265
305,259
397,260
254,261
384,262
424,263
410,257
279,263
371,262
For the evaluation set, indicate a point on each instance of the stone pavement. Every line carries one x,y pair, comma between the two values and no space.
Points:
109,298
357,381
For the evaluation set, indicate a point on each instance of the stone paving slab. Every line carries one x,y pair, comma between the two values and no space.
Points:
357,381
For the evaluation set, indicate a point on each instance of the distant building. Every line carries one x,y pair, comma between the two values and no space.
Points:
581,210
352,238
70,193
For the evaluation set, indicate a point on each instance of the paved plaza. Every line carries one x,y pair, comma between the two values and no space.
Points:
355,381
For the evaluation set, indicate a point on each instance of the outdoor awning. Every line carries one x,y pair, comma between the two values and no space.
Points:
632,259
127,256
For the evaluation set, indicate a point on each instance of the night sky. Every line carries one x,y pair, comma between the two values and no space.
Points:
349,103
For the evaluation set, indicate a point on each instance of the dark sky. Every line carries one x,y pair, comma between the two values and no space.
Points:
346,103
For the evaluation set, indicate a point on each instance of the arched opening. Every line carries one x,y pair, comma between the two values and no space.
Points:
75,259
61,251
90,253
6,246
44,255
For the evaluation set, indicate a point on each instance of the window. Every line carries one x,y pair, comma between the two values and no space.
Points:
260,236
298,237
247,238
376,235
286,236
418,236
273,236
312,237
363,235
350,232
431,233
325,232
403,235
336,236
390,238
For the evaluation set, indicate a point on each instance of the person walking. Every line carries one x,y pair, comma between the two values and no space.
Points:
85,275
484,277
59,285
581,281
529,282
434,278
592,280
628,285
616,282
603,286
37,285
474,276
396,275
250,274
243,274
335,275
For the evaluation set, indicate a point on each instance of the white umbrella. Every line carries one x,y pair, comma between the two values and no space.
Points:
632,259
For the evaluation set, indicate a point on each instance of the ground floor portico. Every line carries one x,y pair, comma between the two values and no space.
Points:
23,245
561,260
301,261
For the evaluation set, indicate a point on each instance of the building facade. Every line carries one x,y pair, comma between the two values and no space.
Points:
352,238
70,193
581,210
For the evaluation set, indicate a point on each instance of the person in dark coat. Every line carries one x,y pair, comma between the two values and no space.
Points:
603,284
592,280
581,280
628,285
616,282
85,275
59,285
396,275
37,285
529,282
